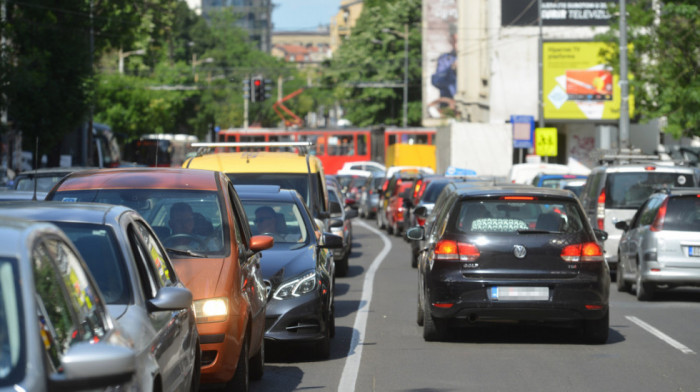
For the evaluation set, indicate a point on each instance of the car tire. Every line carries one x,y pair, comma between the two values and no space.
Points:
389,228
331,321
323,347
419,313
433,329
257,363
241,378
644,291
380,224
196,369
396,230
622,285
414,260
341,266
596,331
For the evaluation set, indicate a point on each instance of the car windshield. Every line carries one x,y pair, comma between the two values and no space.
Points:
43,184
99,248
174,214
509,216
683,214
283,220
12,351
297,181
631,190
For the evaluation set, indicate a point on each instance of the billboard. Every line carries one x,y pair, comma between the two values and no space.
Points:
577,84
439,59
556,13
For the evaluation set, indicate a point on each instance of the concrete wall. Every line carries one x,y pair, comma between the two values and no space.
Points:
484,148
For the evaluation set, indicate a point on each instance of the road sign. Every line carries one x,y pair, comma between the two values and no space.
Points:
523,127
546,142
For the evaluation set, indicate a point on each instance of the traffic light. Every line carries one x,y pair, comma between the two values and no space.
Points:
258,87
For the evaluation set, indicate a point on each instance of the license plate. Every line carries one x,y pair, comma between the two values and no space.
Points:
694,251
507,293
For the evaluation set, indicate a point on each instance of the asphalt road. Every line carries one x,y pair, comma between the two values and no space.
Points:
653,346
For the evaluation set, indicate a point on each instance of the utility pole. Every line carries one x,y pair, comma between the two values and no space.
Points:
624,83
246,99
540,98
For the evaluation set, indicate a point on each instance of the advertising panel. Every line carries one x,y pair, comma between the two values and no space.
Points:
556,12
439,59
576,83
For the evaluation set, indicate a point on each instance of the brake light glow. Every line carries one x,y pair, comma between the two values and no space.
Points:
594,307
600,211
458,251
582,253
443,305
650,168
658,223
518,198
417,188
420,221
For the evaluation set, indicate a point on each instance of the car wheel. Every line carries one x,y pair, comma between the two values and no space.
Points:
257,363
196,368
419,314
414,259
241,378
645,291
622,285
380,224
596,331
341,266
389,228
396,230
323,346
433,329
332,321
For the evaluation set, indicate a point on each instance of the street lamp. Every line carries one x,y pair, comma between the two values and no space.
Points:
196,62
403,35
123,55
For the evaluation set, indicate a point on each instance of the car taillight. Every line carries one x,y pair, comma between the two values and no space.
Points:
600,210
417,188
583,253
453,250
420,221
658,223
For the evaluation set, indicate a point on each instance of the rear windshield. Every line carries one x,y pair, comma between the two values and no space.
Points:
99,248
683,214
508,216
296,181
631,190
432,191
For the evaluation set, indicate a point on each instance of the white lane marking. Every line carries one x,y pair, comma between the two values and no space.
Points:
674,343
352,360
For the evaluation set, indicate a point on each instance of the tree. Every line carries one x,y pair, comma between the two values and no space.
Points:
664,61
370,54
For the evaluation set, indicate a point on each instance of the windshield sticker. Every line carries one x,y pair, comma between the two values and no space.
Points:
70,199
681,180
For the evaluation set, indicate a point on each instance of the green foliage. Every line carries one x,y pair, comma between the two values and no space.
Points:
373,55
664,61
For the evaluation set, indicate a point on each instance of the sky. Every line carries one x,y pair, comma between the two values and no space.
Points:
303,15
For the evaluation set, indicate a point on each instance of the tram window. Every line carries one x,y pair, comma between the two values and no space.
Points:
392,140
248,139
361,144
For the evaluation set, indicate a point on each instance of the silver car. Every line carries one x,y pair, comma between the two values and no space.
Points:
660,245
55,331
139,285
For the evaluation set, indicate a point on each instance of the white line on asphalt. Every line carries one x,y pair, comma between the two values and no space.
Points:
352,360
674,343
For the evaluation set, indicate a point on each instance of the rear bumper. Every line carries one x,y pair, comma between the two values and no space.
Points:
670,275
569,299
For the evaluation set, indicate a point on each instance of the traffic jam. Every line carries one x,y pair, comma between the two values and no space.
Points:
181,278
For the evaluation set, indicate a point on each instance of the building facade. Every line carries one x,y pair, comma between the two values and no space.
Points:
343,22
256,17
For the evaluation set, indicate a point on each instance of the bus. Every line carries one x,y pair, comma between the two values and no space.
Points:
159,149
335,147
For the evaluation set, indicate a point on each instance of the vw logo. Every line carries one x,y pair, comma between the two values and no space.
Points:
519,251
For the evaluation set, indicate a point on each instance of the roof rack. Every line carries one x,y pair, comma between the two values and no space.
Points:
205,147
623,156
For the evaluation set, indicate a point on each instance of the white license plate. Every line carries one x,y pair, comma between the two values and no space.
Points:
508,293
694,251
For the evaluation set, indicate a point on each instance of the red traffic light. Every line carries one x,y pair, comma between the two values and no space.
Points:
257,82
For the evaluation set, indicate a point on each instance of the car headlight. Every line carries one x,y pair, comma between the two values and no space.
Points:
211,310
295,288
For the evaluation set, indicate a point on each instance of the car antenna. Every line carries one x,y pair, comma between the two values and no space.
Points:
36,165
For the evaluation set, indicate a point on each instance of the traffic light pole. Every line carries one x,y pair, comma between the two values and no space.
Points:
246,99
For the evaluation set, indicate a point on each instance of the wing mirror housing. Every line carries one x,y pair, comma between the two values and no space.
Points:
331,241
601,235
415,233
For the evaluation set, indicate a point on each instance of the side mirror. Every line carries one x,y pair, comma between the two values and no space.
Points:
331,241
261,242
171,298
416,233
94,366
336,208
335,222
622,225
600,234
421,211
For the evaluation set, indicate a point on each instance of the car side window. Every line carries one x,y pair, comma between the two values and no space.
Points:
647,213
156,256
149,283
242,235
69,309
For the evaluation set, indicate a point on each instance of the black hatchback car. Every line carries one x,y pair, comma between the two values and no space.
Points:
511,253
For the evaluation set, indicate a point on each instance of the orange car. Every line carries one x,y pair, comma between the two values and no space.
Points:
198,217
